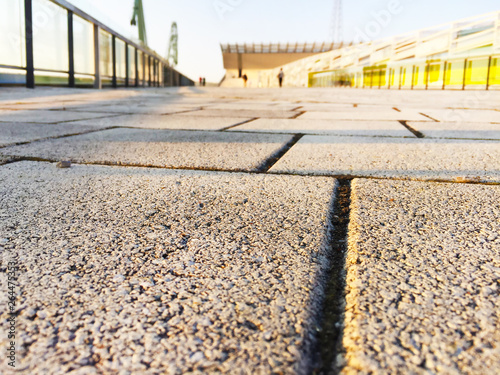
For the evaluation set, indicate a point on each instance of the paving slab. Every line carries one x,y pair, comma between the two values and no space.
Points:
45,116
59,105
365,115
332,127
469,130
166,122
12,133
423,267
163,272
252,106
159,148
246,113
157,109
426,159
464,115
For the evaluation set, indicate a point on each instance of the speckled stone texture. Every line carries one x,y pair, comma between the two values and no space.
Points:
423,271
425,159
12,133
41,116
148,271
165,122
159,148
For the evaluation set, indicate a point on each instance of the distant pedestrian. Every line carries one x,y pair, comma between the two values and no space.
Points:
201,81
245,79
204,81
281,75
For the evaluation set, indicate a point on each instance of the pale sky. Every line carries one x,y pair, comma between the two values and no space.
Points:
204,24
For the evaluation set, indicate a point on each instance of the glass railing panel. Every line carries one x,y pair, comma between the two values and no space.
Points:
455,73
84,80
121,68
406,76
12,41
131,65
435,75
495,71
106,54
12,76
83,39
140,66
50,36
51,78
477,72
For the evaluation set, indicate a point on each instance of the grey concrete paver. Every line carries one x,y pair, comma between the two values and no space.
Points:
458,130
163,272
144,108
274,113
422,279
393,157
45,116
464,115
12,133
160,148
366,115
166,122
331,127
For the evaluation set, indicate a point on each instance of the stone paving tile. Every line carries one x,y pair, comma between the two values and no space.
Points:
45,116
18,132
464,115
365,115
153,109
163,272
457,130
392,157
160,148
246,113
423,267
252,106
332,127
59,104
166,122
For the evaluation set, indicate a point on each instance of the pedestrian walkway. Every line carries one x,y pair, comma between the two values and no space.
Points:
251,231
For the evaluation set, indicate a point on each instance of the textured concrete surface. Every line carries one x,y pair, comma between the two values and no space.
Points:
364,115
465,115
422,279
45,116
12,133
5,158
153,109
130,270
458,130
165,122
247,113
330,127
163,272
160,148
392,157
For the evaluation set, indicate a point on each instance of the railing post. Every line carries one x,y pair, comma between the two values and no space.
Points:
136,58
149,71
400,77
71,51
97,59
412,77
127,66
444,74
427,76
143,83
30,65
113,59
465,74
489,73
